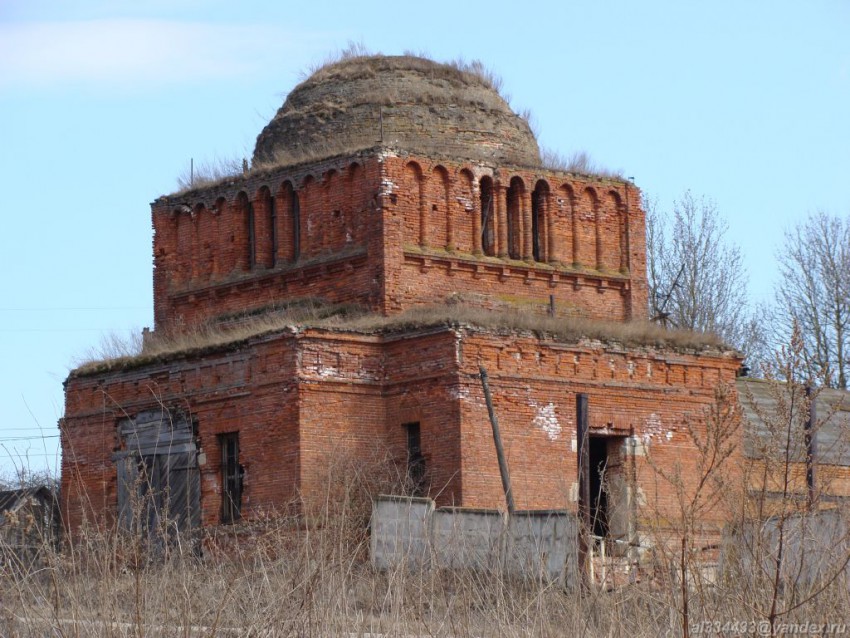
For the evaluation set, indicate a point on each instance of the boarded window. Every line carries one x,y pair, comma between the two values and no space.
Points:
158,477
231,478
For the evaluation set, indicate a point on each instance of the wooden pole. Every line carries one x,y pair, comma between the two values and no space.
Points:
811,447
584,526
497,438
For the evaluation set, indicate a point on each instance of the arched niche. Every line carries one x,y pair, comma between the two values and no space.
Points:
590,240
289,222
565,228
438,208
218,210
184,230
516,191
308,200
265,228
487,208
245,244
464,195
415,219
613,225
541,230
203,242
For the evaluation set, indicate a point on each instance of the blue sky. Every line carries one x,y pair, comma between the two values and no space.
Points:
104,102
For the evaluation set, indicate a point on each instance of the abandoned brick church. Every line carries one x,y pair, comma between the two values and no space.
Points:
396,185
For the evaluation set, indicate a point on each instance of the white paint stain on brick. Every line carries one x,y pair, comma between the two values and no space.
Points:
547,420
459,392
466,203
328,372
388,187
653,427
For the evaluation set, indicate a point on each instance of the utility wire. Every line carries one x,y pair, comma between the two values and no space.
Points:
75,309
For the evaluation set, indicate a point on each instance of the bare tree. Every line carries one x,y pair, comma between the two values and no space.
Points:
793,549
814,293
697,279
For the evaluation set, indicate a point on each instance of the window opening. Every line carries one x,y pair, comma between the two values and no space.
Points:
231,478
415,459
514,234
536,210
488,235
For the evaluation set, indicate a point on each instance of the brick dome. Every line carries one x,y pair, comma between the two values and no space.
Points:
403,102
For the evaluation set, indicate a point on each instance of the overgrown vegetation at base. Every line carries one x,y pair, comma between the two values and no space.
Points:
116,352
309,574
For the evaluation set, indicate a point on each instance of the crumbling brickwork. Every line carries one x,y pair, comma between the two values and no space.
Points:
305,402
463,216
390,231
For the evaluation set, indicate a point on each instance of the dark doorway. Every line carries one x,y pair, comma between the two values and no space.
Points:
415,459
598,491
609,513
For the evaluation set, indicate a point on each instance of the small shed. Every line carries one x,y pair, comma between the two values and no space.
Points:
777,424
29,524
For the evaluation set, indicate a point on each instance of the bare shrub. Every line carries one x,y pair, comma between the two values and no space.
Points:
685,536
295,573
791,548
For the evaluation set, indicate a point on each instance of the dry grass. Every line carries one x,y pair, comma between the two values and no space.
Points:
579,162
300,155
295,575
208,173
477,69
463,82
356,61
352,51
234,330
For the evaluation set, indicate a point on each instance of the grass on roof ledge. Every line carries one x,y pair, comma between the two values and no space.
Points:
311,314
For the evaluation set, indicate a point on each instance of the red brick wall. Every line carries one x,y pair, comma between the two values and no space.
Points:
392,232
252,391
202,250
590,238
534,384
314,407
